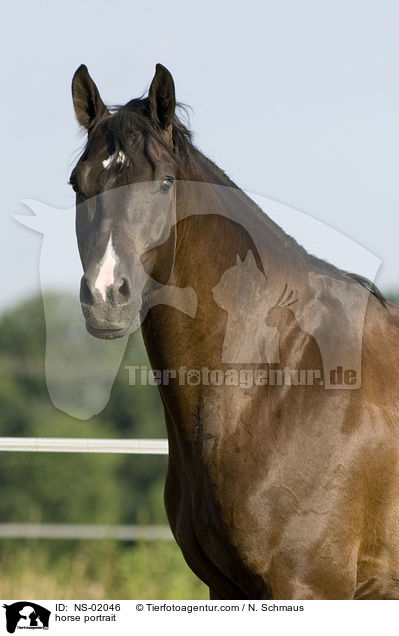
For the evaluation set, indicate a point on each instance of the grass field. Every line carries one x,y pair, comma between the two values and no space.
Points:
38,569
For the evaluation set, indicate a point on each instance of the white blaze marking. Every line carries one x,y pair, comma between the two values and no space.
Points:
106,275
120,158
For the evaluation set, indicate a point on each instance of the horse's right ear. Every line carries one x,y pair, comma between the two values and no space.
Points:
88,105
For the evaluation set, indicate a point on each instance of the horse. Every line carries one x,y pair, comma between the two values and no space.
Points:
275,489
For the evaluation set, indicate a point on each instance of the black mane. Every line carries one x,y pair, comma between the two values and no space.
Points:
130,130
367,284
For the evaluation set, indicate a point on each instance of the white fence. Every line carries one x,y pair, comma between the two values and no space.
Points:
81,445
84,531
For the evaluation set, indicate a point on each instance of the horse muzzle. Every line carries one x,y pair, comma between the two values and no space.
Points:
109,314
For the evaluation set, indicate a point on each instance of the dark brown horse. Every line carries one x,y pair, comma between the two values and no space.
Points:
275,489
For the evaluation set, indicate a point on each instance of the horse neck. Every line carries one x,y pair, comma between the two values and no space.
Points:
209,234
216,222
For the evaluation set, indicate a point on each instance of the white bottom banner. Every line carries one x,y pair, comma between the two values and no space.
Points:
129,617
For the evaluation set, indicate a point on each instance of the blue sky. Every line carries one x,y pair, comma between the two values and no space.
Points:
296,101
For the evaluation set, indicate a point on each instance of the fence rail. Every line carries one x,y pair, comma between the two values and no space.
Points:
84,531
81,445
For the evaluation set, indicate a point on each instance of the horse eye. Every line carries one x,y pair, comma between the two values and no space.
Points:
166,184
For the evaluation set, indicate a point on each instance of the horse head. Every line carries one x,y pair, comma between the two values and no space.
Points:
125,200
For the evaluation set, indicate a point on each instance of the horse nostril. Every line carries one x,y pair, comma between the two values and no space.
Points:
86,295
124,288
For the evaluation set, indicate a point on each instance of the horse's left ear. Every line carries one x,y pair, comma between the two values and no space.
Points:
88,105
161,97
